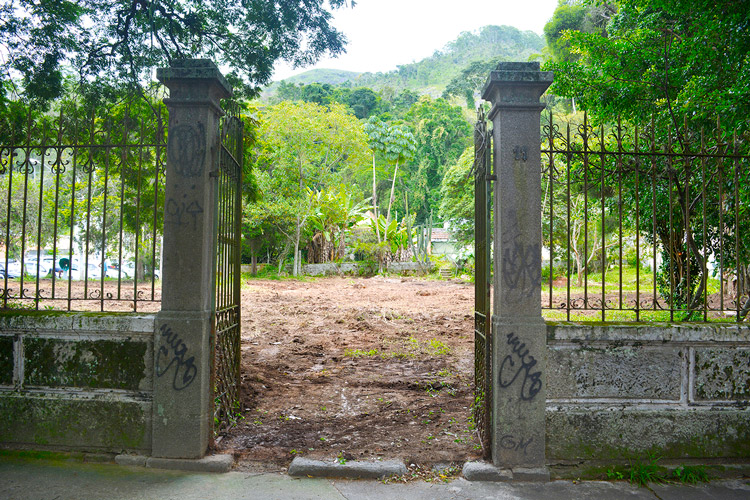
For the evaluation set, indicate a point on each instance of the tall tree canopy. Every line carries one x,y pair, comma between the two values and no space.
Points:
678,58
115,41
674,67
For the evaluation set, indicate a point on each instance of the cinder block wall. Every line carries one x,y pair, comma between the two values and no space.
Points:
79,381
627,391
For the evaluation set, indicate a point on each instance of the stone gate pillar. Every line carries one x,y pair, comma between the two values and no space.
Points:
519,332
183,344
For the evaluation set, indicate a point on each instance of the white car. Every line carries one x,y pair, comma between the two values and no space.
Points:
45,267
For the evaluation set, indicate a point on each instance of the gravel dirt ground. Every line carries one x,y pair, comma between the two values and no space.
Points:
355,368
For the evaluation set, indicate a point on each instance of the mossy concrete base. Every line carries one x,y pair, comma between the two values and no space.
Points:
76,381
632,433
84,424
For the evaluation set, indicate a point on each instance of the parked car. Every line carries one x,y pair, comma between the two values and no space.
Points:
13,270
94,271
116,270
45,267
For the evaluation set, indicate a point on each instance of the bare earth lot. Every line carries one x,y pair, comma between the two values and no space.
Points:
355,368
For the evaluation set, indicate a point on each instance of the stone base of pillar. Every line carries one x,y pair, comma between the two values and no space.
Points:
519,392
182,385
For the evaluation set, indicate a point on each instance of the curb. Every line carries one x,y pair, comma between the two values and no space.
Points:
211,463
483,471
303,467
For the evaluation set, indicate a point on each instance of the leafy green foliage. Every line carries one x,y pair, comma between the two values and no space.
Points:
112,42
442,135
675,69
588,17
470,81
679,59
643,473
690,474
457,197
302,149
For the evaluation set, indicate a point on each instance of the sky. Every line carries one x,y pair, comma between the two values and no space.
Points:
383,34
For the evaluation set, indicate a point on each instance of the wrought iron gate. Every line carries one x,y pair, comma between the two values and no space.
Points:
226,379
482,407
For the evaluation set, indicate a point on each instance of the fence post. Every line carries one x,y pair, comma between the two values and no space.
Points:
183,341
519,332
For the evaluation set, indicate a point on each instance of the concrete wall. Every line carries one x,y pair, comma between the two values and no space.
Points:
79,381
355,268
624,391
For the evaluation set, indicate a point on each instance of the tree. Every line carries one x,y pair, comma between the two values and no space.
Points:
304,147
335,212
469,82
111,42
442,134
457,197
572,16
362,101
672,68
395,143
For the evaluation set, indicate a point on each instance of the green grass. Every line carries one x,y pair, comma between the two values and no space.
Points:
409,349
643,473
690,474
629,285
649,471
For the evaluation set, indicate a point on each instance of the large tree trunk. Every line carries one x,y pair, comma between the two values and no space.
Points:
253,258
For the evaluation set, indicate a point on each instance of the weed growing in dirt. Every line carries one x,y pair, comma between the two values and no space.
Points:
411,348
690,474
615,475
438,348
359,353
642,473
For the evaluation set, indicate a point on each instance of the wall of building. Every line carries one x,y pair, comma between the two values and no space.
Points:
79,381
626,391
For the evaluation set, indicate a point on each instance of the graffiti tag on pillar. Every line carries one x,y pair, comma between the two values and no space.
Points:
517,366
510,442
519,153
521,266
186,149
175,350
183,213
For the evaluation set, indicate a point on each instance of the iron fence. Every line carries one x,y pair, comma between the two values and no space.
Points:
644,224
81,207
228,275
482,170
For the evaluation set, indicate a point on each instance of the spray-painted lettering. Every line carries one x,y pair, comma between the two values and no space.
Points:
518,362
173,347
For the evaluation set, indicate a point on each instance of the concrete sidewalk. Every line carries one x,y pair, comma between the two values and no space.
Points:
31,479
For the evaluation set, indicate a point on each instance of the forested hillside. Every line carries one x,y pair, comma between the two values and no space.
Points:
433,74
496,43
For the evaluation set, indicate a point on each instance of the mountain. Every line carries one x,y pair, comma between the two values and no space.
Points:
331,76
495,43
432,74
